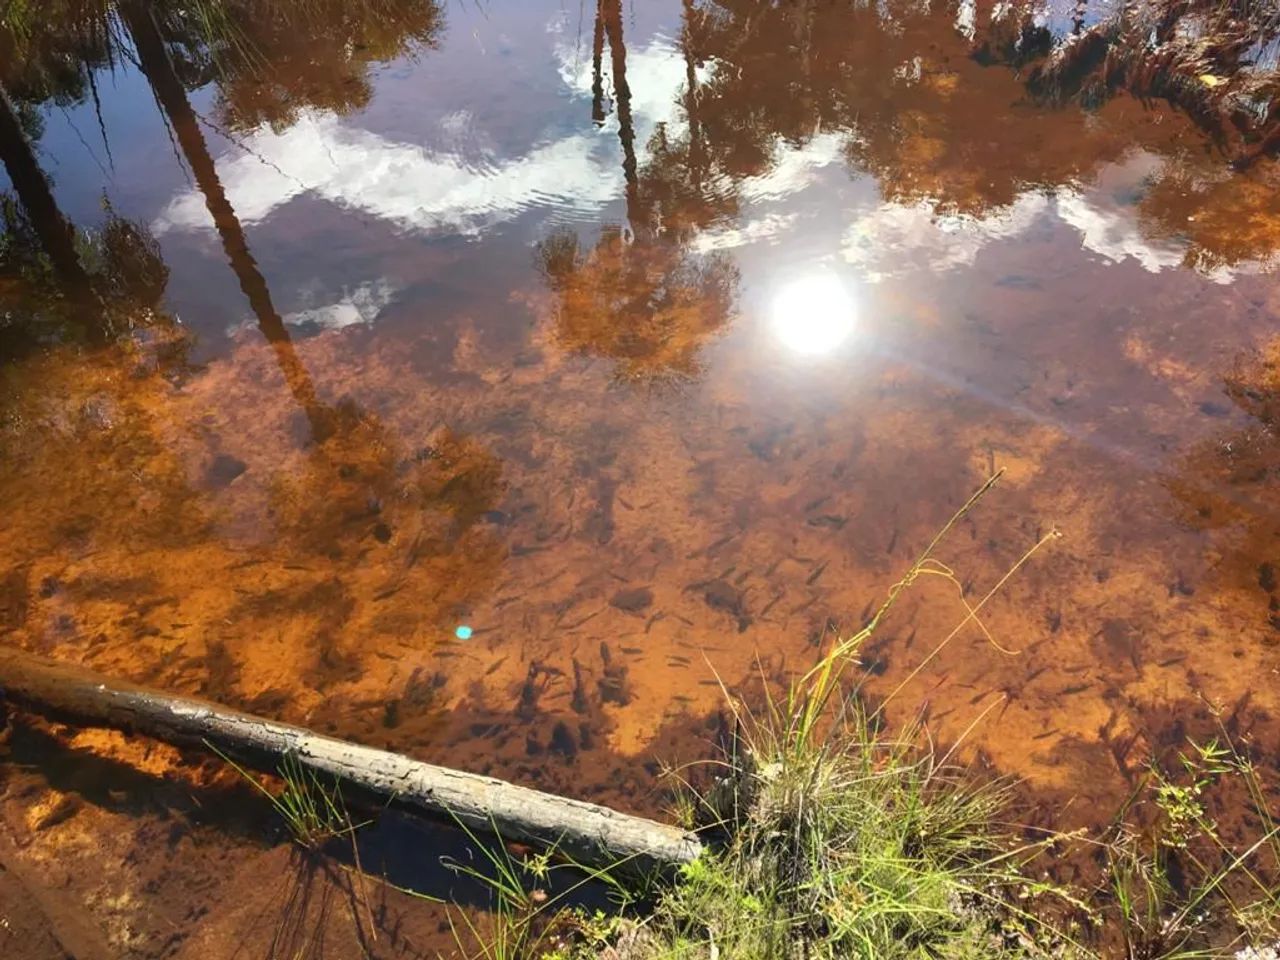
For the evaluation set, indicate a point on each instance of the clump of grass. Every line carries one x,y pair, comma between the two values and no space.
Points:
313,812
853,846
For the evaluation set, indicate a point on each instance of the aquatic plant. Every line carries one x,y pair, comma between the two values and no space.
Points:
315,815
1176,886
526,919
313,811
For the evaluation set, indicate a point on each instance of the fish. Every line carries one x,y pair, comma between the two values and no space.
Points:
578,623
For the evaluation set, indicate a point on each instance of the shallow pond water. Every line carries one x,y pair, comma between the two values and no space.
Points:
503,375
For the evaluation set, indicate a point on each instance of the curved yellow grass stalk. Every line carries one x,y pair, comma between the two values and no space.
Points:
972,614
824,678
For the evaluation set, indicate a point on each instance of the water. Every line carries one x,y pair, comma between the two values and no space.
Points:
645,382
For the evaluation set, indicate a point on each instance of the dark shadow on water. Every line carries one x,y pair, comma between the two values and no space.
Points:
411,852
237,810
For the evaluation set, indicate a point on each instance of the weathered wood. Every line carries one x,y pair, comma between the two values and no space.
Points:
590,834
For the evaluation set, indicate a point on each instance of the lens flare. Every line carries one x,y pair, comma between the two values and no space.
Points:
813,314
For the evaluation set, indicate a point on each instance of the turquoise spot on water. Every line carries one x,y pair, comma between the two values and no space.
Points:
463,632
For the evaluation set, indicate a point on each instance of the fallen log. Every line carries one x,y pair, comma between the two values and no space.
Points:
589,834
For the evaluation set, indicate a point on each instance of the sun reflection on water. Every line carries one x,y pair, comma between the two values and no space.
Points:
813,313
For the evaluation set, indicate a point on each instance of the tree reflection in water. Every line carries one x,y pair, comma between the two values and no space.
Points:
386,513
639,296
647,305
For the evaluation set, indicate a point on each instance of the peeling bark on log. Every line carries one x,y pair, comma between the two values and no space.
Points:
591,835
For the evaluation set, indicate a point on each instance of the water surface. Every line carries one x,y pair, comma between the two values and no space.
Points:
651,343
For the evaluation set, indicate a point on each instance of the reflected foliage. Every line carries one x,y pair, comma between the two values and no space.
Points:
648,306
639,296
1228,219
125,272
272,60
50,49
1203,56
934,113
269,59
898,83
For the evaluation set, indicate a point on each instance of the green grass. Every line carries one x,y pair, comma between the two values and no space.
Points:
1176,888
313,811
314,814
525,919
866,850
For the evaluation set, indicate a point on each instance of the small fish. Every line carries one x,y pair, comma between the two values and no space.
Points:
829,520
551,579
578,623
1017,281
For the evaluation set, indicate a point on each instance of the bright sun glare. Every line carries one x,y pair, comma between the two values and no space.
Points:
813,314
